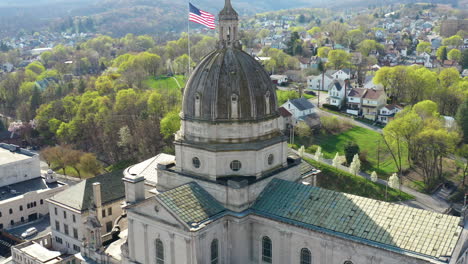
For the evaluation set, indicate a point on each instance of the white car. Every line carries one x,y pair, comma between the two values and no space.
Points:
29,232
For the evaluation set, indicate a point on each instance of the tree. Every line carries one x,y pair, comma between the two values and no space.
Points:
442,53
339,59
368,45
48,155
424,46
322,52
350,150
318,154
462,119
353,37
454,41
374,177
90,164
170,124
394,181
314,31
336,160
454,54
355,166
303,130
72,159
464,59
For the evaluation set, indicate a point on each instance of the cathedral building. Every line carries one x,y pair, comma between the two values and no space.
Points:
233,194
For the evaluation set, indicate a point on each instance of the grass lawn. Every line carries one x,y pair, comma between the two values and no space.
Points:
368,141
341,181
164,82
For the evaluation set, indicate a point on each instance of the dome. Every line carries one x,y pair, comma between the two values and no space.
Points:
229,85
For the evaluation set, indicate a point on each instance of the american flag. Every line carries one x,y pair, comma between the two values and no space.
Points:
201,17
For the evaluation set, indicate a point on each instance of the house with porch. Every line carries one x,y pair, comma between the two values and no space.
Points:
354,102
372,101
299,107
388,112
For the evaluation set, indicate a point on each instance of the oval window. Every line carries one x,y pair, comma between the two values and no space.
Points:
196,162
271,158
236,165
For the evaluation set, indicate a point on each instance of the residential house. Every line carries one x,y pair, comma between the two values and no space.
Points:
286,118
304,63
372,101
299,107
85,214
354,102
369,83
314,82
388,112
336,92
279,79
342,74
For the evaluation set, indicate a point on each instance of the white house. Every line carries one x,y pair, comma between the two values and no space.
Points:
388,112
342,74
354,101
299,107
279,79
370,84
336,93
314,82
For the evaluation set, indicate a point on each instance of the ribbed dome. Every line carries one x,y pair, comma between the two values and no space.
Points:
229,85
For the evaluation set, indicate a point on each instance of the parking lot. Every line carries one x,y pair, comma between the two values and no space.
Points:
42,225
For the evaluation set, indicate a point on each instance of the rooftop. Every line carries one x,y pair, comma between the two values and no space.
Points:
11,153
395,227
80,196
147,168
191,203
302,103
41,253
20,188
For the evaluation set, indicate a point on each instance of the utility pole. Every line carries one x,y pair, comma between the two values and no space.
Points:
378,154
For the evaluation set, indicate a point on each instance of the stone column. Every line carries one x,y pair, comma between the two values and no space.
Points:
172,235
145,232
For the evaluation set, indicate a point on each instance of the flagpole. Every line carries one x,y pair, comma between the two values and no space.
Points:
188,40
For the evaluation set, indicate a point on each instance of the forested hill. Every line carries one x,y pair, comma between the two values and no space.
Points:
119,17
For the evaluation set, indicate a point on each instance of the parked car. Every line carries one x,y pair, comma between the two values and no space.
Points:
29,232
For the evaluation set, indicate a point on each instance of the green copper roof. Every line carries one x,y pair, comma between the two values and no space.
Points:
400,227
191,203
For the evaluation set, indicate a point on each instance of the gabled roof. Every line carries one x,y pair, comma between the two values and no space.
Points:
191,203
373,94
284,112
302,104
392,106
357,92
392,226
80,195
337,84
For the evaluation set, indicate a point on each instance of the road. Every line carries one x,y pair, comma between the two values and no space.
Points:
422,201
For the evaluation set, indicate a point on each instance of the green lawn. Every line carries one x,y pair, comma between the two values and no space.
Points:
341,181
164,82
370,143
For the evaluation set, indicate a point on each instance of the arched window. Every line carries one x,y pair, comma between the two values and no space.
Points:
234,104
266,249
348,262
267,103
197,104
159,252
306,257
214,251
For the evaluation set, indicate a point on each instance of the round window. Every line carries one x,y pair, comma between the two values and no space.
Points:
271,158
348,262
196,162
236,165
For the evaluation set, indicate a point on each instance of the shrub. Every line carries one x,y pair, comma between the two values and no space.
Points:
331,107
312,149
350,149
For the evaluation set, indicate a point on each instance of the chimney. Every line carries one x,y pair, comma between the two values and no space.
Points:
134,188
97,194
